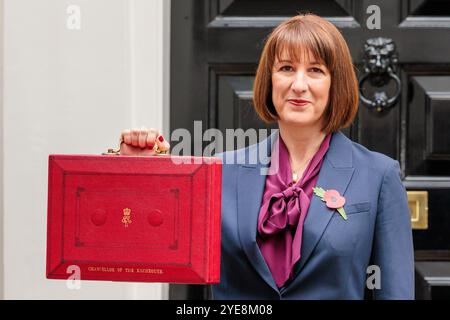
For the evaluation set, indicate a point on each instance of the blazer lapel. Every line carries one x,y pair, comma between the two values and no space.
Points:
336,173
251,183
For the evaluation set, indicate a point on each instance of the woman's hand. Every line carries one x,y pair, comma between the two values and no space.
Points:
142,142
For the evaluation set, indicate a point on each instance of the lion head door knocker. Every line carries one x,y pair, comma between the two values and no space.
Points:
380,67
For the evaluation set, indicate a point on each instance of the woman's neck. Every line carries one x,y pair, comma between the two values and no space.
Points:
302,144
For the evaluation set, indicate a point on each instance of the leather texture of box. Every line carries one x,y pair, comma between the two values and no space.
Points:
128,218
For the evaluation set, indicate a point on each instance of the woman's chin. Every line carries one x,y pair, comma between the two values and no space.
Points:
296,122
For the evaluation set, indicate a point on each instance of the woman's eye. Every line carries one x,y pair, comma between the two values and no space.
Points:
286,68
317,70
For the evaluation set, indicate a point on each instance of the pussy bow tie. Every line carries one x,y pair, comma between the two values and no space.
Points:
284,209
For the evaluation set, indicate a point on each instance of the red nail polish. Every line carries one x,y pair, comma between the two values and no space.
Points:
161,138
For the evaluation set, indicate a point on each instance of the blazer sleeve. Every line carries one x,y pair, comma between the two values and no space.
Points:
393,249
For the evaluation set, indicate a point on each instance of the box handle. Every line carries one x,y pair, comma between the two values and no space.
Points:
116,152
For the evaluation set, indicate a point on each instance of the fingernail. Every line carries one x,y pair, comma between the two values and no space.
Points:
161,138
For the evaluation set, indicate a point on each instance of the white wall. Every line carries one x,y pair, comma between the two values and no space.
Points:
72,91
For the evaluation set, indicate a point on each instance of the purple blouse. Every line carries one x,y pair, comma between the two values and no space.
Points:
283,211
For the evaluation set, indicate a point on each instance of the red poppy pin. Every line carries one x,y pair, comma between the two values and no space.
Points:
333,200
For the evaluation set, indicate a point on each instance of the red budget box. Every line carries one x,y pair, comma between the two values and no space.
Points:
145,219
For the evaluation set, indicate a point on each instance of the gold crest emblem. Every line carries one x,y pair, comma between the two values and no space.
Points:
126,220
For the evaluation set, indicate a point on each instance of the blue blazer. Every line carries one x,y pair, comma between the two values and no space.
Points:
335,253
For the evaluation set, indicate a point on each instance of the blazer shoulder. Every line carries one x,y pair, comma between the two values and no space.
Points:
229,157
252,155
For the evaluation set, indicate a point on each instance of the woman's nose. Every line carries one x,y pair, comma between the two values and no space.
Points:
300,82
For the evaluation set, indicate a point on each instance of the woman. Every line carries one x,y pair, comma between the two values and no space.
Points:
329,208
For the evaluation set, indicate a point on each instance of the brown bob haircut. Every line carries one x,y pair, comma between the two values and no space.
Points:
300,36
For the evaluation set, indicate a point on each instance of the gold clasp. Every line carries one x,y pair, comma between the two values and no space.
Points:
111,152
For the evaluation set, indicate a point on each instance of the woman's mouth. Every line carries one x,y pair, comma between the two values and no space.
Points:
298,102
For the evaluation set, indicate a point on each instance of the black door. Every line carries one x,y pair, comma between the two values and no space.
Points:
401,49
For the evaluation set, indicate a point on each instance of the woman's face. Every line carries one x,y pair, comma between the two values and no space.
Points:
300,90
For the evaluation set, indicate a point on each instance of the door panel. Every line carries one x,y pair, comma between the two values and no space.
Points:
429,123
